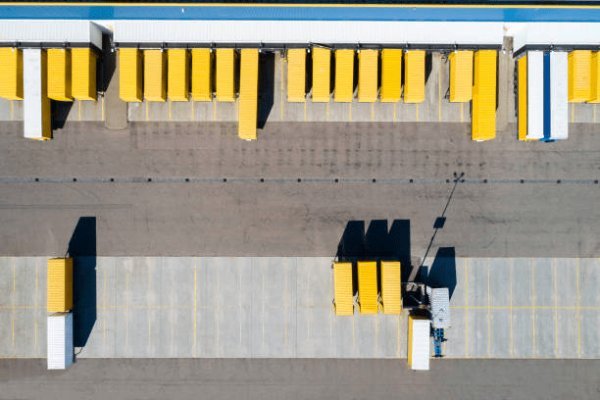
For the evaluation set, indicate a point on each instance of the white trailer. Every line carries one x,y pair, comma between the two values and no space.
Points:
418,342
60,341
535,95
559,110
36,105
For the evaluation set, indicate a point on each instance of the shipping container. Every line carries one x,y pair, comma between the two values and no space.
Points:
556,125
83,74
368,75
391,288
580,76
522,97
321,74
344,76
391,75
595,80
130,75
439,301
343,301
59,74
37,122
483,108
296,75
155,75
226,75
59,341
418,342
202,88
461,76
11,73
248,104
535,95
414,76
178,71
60,284
367,287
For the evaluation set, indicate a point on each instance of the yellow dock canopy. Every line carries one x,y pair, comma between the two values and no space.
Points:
368,75
461,76
296,75
155,75
367,287
321,74
483,124
580,76
391,75
130,75
202,74
11,73
344,76
248,94
414,76
178,73
595,81
226,75
59,74
522,97
83,74
60,284
391,297
343,301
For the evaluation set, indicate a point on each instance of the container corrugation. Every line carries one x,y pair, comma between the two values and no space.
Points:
391,293
461,76
248,105
535,95
59,74
367,287
439,301
321,75
580,76
202,75
178,72
130,74
368,75
522,97
344,76
483,126
83,74
155,75
595,80
559,107
226,75
414,76
11,73
391,75
59,336
343,292
418,343
60,284
36,105
296,75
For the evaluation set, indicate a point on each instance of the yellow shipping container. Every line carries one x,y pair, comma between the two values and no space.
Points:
580,76
296,75
83,74
60,284
595,81
522,97
248,106
202,75
343,293
461,76
367,287
344,76
226,74
414,76
130,75
391,297
483,113
59,74
368,75
11,73
321,74
155,75
178,72
391,75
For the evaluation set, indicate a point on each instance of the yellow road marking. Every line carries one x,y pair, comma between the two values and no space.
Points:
147,111
512,336
193,116
533,308
149,288
372,112
127,311
12,110
305,112
327,110
572,113
170,108
466,334
578,302
395,117
462,112
102,107
555,290
104,302
350,112
417,112
489,313
194,338
214,104
78,110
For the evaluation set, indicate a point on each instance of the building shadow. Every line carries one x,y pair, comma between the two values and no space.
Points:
266,87
443,270
60,112
82,247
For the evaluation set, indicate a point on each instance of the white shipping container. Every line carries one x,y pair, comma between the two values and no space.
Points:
419,345
60,341
440,308
559,120
535,95
36,106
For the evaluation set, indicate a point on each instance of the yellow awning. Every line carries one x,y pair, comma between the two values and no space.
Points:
391,75
202,75
296,75
343,292
368,75
83,69
344,76
580,76
414,76
155,75
461,76
178,74
321,75
248,105
226,75
59,74
130,74
11,73
595,81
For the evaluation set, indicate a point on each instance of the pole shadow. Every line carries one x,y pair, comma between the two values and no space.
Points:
82,247
443,270
266,85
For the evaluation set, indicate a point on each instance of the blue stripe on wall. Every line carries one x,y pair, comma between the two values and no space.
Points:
547,97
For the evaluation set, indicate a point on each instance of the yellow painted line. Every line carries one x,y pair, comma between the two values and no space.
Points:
214,104
78,110
104,280
14,280
512,335
398,336
102,107
533,302
578,302
35,322
350,112
12,328
372,112
327,111
462,112
193,118
195,337
35,334
594,113
555,290
395,117
417,112
149,290
170,108
440,93
127,311
489,313
466,333
305,112
12,110
147,111
572,113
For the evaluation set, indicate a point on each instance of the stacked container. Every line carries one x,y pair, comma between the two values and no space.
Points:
60,304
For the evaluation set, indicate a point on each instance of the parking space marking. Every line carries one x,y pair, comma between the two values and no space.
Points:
170,109
489,313
127,276
350,112
578,302
395,115
147,111
13,297
195,317
466,335
214,110
78,110
12,110
36,300
327,111
149,290
533,302
305,111
572,113
193,109
554,293
417,112
104,279
510,319
462,112
102,107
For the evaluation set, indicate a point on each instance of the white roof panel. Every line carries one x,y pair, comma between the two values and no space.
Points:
50,31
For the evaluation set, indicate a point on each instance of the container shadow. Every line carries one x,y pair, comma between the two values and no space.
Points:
443,270
266,87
